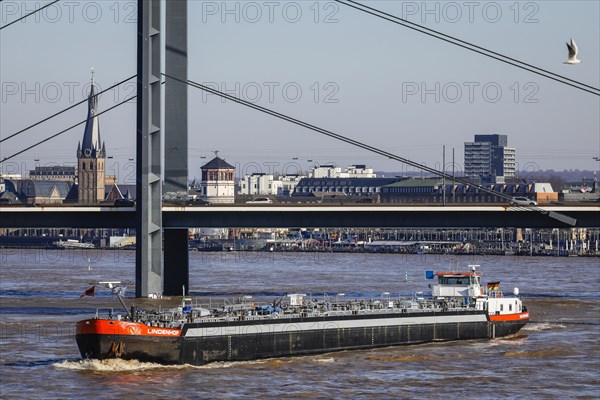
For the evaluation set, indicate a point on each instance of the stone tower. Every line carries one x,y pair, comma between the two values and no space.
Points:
91,156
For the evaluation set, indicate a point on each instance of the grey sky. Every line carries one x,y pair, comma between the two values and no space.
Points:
366,70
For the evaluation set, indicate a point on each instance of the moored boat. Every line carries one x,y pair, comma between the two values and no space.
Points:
459,308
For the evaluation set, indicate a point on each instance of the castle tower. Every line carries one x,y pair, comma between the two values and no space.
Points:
91,156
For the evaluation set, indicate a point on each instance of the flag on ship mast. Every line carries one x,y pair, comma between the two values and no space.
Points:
89,292
493,285
119,290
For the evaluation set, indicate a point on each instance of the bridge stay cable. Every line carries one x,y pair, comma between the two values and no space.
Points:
67,129
471,47
27,15
563,218
466,43
65,110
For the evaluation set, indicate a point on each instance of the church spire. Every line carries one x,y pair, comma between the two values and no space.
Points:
91,144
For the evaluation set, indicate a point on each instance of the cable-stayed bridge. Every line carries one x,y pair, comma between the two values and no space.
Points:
162,230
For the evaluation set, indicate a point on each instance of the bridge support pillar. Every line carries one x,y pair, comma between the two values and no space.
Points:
176,100
176,258
176,261
148,255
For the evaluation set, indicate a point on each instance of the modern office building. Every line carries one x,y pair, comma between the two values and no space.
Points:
490,158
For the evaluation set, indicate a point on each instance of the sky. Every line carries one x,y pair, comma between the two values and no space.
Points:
320,62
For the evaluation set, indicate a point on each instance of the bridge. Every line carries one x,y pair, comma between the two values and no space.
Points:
162,230
309,216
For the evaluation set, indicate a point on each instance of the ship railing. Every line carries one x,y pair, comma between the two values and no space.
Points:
110,312
226,310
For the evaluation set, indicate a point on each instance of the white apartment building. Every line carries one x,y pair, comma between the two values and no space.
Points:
332,171
288,184
263,184
509,162
283,185
259,183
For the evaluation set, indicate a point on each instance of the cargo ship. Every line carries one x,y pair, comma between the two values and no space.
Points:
459,307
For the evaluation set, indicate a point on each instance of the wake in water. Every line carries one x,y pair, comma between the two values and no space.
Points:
542,326
326,360
120,365
113,365
525,335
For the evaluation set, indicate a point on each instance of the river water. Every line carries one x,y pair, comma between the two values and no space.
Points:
557,355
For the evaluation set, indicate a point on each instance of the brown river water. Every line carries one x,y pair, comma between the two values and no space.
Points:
557,355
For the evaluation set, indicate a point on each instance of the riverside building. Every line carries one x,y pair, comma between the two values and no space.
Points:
489,158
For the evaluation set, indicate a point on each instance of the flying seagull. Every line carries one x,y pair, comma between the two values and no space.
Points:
572,53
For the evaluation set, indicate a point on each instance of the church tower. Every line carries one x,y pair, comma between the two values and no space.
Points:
91,155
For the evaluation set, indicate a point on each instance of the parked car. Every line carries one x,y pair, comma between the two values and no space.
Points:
522,201
260,200
197,202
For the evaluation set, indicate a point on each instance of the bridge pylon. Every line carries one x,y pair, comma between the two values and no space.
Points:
148,255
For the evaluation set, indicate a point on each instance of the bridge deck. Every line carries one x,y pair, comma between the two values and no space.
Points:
306,216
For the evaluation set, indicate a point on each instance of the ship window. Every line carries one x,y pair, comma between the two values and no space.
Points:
510,307
501,307
454,280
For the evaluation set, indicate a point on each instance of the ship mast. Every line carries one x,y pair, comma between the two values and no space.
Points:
118,291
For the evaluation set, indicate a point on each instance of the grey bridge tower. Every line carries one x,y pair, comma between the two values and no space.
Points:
151,277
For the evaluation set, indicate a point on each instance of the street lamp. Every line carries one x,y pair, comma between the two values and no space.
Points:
597,159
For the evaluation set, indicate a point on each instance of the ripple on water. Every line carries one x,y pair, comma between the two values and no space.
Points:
540,353
394,358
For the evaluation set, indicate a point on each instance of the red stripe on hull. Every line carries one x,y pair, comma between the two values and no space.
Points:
510,317
111,327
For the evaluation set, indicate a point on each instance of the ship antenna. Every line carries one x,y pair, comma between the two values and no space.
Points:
183,296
